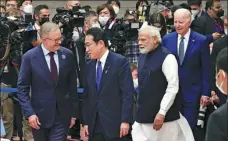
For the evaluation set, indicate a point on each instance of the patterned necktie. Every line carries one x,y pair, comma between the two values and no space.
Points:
99,74
181,50
54,73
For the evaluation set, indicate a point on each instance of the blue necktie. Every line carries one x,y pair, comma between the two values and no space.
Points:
181,50
99,74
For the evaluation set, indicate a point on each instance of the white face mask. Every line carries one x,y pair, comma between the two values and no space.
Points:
195,12
116,9
103,20
28,9
75,36
136,83
96,25
220,86
226,31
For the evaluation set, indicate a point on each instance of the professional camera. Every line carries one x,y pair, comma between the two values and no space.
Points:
125,30
14,34
70,18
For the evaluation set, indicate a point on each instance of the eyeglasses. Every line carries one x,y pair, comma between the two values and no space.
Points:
55,40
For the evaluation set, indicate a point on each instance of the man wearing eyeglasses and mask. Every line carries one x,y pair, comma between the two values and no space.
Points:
217,123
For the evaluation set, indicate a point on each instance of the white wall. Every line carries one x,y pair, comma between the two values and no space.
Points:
125,4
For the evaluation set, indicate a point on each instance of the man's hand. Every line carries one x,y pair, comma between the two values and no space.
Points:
214,98
124,129
84,133
204,101
36,43
216,35
34,122
158,122
72,122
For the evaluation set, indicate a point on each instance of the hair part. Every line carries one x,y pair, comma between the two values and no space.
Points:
90,14
98,35
39,8
48,27
109,7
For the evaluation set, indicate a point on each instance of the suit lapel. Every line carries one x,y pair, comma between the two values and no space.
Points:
43,65
190,46
105,71
175,42
92,75
61,58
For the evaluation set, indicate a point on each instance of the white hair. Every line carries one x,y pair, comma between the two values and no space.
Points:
152,31
186,13
48,27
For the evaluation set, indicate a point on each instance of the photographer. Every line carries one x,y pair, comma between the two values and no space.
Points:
131,47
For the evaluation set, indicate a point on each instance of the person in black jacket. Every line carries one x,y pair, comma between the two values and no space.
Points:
218,45
211,24
217,124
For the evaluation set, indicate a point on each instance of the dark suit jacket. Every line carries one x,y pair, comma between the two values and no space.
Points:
113,102
46,94
195,71
217,125
205,25
218,45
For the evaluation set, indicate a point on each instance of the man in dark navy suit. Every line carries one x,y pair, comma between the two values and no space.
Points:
108,95
192,52
49,72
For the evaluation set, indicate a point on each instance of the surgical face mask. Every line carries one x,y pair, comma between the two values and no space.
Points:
28,9
136,83
116,9
43,20
103,20
221,85
220,13
226,31
195,12
75,36
96,25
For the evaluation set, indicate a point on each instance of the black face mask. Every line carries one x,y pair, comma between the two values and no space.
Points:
220,13
43,20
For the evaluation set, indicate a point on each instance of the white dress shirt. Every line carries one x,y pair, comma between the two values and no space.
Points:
103,59
186,39
47,58
170,70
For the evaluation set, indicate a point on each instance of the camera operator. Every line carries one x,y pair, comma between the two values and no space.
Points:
11,4
131,47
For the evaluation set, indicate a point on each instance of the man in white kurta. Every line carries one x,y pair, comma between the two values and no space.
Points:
157,112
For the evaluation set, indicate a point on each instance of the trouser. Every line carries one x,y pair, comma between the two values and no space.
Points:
27,130
7,112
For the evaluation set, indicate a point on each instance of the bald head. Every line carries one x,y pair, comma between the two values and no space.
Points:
71,3
184,13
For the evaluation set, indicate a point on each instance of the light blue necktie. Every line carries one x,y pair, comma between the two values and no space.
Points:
181,50
99,74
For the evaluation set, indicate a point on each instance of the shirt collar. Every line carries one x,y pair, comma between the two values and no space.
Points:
186,36
104,57
36,26
45,51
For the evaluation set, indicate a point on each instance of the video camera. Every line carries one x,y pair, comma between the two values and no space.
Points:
14,33
125,30
70,18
